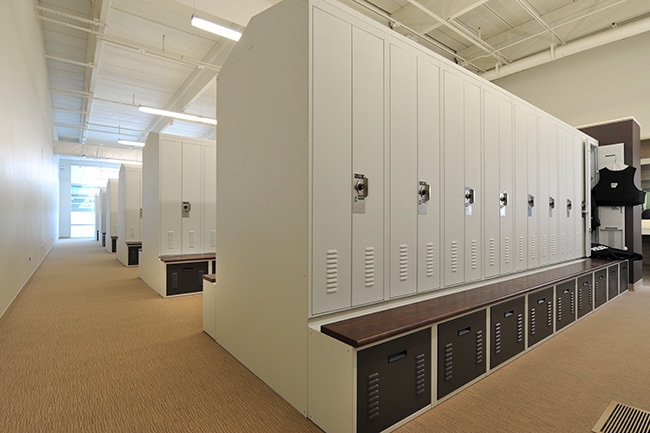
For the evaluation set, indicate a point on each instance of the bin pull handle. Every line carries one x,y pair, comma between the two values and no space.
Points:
509,313
541,301
397,356
464,331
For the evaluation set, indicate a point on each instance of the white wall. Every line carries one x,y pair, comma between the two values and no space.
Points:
606,83
28,167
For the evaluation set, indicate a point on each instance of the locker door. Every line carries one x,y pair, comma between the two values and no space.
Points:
507,205
555,205
491,185
563,195
473,179
429,173
209,230
579,191
368,161
403,171
534,202
170,197
544,193
132,204
454,179
520,196
192,181
331,163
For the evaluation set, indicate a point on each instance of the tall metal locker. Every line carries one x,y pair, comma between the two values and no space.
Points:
348,207
209,216
110,212
429,197
462,178
566,207
546,201
403,170
554,200
580,206
498,209
534,201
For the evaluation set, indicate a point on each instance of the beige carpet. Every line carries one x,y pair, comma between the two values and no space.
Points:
88,347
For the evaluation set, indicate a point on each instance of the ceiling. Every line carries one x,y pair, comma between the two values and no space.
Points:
107,57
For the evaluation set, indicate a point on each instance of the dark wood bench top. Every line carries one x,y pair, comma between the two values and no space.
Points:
210,277
187,257
370,328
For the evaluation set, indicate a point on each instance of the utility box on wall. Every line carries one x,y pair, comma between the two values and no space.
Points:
129,207
178,208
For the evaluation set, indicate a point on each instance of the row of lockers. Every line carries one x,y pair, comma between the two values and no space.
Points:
425,176
394,379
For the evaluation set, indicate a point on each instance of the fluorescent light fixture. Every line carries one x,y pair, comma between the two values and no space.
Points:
211,27
131,143
182,116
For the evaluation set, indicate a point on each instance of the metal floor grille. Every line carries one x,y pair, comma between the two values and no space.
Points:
620,418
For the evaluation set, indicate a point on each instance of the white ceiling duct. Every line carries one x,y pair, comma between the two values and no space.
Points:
616,33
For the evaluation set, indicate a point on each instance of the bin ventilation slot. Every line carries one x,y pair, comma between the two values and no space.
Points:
621,418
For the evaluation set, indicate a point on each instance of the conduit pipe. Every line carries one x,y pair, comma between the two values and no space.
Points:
613,35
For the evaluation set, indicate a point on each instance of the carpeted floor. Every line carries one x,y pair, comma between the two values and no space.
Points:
88,347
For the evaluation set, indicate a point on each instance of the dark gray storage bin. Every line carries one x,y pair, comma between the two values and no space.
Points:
600,287
185,277
612,284
461,351
393,381
507,335
540,315
585,294
565,304
624,277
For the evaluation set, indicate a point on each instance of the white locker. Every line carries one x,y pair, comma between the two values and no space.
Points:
368,160
403,170
555,206
428,176
520,193
110,213
348,205
581,193
535,203
129,206
332,166
209,207
491,184
191,193
171,184
563,199
546,201
507,205
454,178
473,178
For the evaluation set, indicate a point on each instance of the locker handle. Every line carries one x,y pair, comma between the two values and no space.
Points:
509,313
569,204
566,291
469,196
551,202
503,198
464,331
531,200
541,301
586,283
397,356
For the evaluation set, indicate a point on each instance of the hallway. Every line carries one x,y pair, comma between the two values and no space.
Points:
88,347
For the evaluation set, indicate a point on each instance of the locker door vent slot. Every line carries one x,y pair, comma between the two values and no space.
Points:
479,347
549,314
497,338
420,374
562,243
544,250
332,271
553,244
373,396
170,240
492,252
520,328
533,321
473,254
370,266
213,238
559,309
454,256
174,281
403,262
533,247
449,361
192,239
572,304
506,250
580,303
430,258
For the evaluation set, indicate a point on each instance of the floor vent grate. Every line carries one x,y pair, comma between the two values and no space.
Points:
620,418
